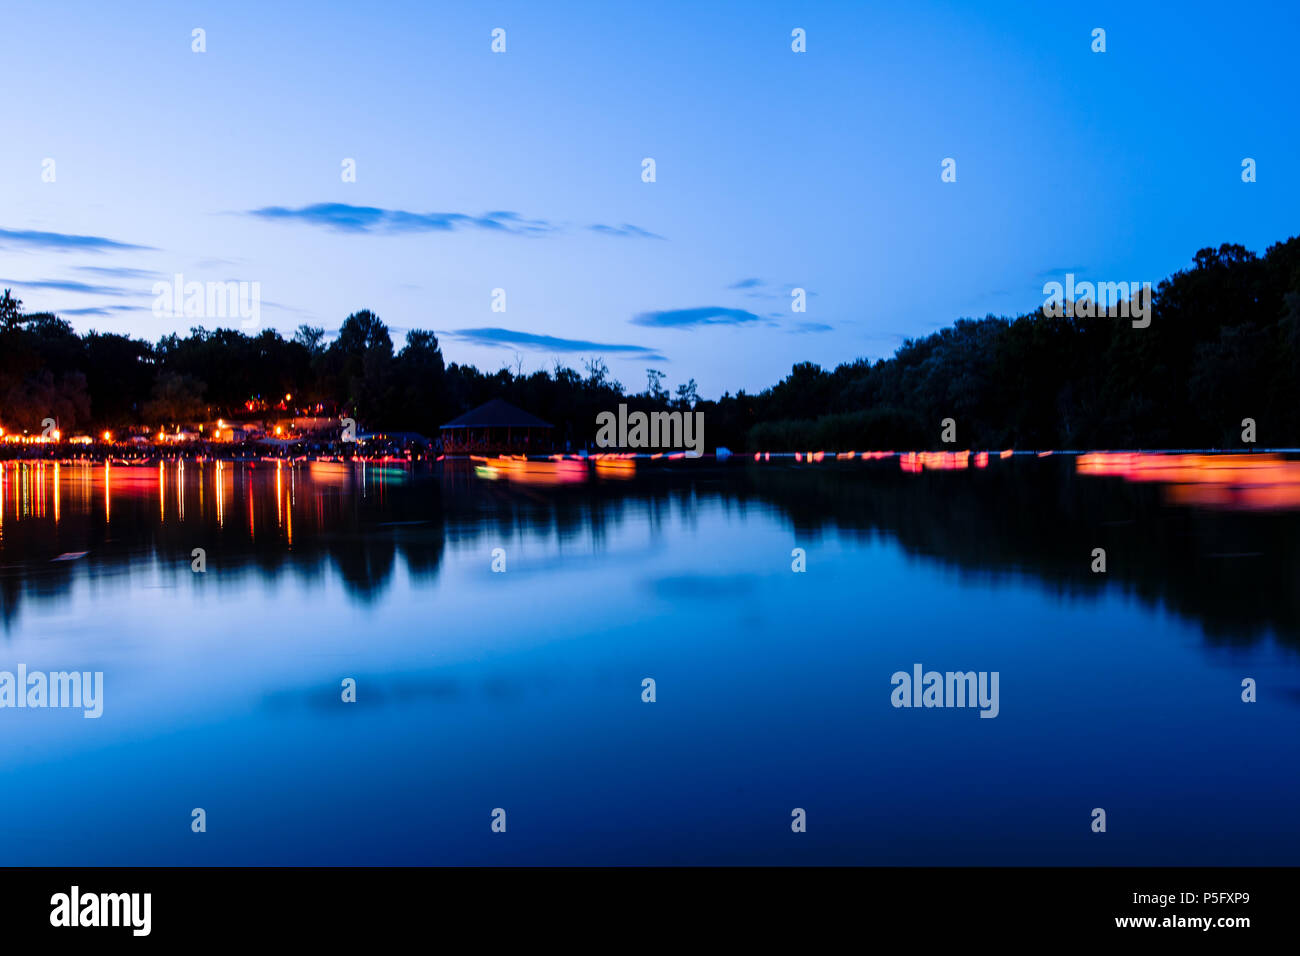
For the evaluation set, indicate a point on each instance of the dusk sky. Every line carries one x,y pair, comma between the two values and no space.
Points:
522,170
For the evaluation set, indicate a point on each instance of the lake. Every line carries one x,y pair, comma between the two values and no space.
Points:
521,689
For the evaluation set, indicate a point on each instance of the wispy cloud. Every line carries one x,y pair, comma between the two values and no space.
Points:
65,285
755,288
375,220
805,328
341,217
548,343
120,272
61,241
96,310
627,230
689,318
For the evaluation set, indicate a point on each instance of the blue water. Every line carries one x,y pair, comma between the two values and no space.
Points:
523,690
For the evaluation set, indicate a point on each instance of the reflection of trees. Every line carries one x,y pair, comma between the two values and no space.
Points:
259,529
1235,573
1037,519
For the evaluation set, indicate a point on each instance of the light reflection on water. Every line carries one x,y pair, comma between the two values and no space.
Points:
522,690
1261,482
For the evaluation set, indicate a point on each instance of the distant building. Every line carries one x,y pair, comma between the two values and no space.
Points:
235,431
314,424
496,428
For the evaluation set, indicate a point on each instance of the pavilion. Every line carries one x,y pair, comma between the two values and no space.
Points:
496,428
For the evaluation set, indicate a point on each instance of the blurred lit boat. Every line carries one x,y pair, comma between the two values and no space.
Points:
1239,482
615,466
531,471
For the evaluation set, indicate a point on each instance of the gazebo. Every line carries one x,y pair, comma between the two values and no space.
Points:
496,428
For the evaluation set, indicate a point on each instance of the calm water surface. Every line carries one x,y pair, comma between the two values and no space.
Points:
522,690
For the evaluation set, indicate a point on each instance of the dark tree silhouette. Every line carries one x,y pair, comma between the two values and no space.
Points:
1223,344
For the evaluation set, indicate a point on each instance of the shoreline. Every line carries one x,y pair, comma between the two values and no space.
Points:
50,454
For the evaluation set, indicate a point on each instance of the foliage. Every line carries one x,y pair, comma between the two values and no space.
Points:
1223,344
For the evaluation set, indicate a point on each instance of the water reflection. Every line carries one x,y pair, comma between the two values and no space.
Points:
1262,482
523,689
1214,538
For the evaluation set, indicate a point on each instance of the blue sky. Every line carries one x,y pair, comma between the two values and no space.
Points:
522,170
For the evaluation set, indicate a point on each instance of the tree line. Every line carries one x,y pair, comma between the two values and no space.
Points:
1223,344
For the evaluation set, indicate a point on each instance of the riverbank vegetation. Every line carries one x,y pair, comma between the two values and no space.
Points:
1223,344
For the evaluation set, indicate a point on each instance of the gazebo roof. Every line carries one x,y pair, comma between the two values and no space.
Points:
497,414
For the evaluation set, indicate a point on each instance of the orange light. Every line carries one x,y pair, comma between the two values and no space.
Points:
1251,482
108,436
288,397
915,462
278,429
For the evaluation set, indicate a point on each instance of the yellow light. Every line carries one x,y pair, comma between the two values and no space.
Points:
221,423
278,429
108,436
288,397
